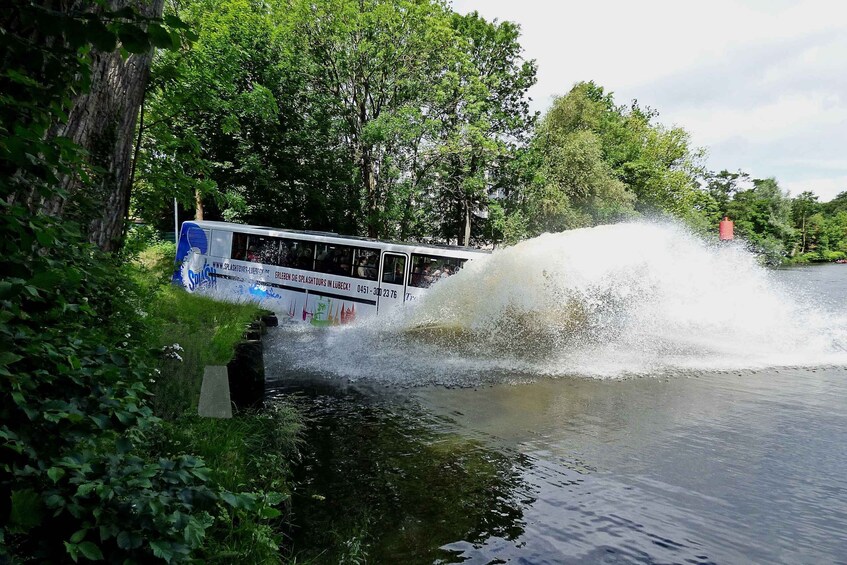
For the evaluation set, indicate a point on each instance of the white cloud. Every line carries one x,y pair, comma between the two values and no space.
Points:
825,188
761,83
785,116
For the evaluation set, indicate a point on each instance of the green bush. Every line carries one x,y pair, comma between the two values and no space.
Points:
75,363
833,255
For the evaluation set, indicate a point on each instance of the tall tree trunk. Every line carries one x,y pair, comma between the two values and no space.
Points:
804,233
102,121
466,240
366,168
198,205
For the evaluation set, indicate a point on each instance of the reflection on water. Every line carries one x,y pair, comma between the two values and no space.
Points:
700,466
723,468
388,483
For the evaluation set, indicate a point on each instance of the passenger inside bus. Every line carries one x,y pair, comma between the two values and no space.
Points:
394,269
305,259
427,269
362,269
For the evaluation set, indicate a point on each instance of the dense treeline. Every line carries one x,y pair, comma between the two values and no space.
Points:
392,119
403,119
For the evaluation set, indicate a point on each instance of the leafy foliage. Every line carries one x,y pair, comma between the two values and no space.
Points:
393,118
78,480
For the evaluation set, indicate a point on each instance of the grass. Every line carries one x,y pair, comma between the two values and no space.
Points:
252,452
205,331
249,453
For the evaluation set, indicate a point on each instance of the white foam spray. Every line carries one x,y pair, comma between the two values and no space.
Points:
610,301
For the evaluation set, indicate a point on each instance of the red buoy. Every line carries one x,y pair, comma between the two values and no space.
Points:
727,229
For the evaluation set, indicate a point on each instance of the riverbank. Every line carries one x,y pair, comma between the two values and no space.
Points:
814,258
249,453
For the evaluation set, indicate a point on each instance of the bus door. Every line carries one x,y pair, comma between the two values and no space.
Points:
392,282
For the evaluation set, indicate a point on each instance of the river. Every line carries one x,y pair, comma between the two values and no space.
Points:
694,436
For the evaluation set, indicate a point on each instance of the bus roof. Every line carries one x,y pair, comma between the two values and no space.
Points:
331,235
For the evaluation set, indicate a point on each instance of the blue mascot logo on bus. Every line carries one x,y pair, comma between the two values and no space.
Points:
202,276
194,270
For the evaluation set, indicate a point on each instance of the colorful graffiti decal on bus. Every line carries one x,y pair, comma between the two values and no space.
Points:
262,292
329,313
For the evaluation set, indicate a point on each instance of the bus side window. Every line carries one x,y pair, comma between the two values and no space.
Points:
324,258
239,246
394,269
333,259
221,244
290,253
305,255
282,256
429,269
343,261
267,250
365,263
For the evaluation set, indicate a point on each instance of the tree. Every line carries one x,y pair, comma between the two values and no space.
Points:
723,187
101,115
576,184
375,61
67,375
485,117
837,204
762,215
203,105
802,207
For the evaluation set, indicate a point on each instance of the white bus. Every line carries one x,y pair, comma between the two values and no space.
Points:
315,277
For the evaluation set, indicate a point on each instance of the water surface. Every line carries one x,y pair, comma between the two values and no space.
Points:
701,450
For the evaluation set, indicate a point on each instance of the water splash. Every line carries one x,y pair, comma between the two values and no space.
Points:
626,299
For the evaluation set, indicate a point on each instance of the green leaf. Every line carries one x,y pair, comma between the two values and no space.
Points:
55,501
7,358
73,551
55,473
85,489
26,510
91,551
202,473
194,532
45,237
133,38
274,498
160,37
73,361
230,499
21,78
162,550
175,22
123,445
78,536
270,512
101,420
101,37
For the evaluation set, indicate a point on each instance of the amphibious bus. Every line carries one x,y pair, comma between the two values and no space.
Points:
316,277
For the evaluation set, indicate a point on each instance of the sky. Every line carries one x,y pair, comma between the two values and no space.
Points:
760,84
